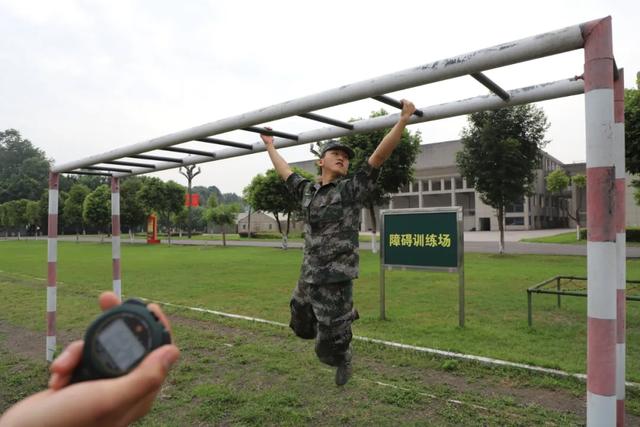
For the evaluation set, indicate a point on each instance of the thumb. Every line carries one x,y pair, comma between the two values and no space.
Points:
163,357
148,376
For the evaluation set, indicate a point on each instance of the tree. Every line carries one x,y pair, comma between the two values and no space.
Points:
181,220
132,210
223,215
558,182
73,207
632,128
163,198
91,181
228,198
32,216
15,211
501,150
212,201
43,210
189,172
206,192
198,221
96,209
8,216
397,170
4,219
632,134
24,169
269,193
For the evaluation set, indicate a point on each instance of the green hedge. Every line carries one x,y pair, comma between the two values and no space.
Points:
633,234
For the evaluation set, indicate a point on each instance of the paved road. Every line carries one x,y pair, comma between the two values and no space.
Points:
483,241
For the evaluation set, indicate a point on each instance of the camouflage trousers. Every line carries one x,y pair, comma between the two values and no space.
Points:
325,312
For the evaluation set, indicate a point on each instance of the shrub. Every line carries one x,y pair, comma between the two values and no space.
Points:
246,234
633,234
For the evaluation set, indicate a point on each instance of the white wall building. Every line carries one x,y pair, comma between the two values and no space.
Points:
438,183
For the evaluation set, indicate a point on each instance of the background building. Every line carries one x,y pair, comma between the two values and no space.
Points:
438,183
262,222
259,222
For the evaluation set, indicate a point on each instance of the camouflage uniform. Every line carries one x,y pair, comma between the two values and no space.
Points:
322,302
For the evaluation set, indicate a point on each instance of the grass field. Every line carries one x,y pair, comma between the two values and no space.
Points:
238,373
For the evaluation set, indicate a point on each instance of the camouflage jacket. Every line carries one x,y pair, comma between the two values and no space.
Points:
331,224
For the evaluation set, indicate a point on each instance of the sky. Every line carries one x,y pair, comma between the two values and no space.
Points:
78,78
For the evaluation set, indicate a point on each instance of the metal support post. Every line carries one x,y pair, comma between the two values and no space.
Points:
383,268
621,240
601,245
382,296
52,265
529,307
115,236
460,222
461,297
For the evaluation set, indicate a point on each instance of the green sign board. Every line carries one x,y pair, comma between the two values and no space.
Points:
422,238
428,239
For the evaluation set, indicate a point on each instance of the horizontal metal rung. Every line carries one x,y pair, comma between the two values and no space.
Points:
390,101
158,158
88,173
105,168
188,151
121,163
225,142
491,85
271,132
327,120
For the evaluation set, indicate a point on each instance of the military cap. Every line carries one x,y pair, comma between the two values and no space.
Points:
334,144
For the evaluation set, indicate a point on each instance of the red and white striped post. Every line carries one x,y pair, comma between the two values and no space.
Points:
621,240
601,245
115,236
52,264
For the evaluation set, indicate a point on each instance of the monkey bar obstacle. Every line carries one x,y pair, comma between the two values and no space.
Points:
602,85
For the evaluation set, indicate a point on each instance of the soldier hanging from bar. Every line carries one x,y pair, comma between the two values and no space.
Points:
322,302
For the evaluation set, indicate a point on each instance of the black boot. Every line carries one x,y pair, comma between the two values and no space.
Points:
344,370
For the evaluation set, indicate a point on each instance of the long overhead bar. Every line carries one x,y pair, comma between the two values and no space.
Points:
545,91
546,44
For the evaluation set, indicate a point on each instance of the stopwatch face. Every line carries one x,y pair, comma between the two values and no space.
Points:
120,343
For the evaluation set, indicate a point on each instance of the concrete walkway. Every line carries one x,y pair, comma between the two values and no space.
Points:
513,236
474,241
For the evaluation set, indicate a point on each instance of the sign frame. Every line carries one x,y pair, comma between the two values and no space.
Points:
454,210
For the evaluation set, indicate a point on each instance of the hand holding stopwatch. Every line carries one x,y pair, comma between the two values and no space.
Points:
118,340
